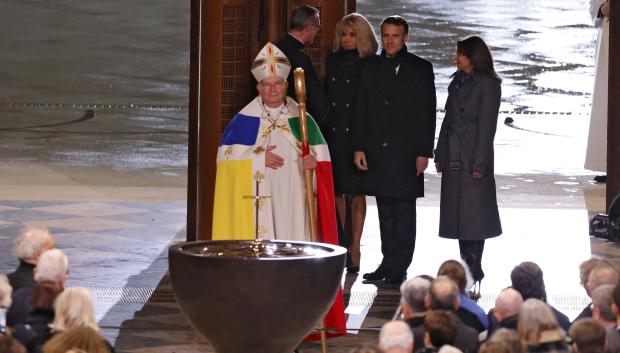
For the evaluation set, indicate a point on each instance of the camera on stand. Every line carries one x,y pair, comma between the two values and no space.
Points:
607,226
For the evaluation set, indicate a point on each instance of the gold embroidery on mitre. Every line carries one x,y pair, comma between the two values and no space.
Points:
270,62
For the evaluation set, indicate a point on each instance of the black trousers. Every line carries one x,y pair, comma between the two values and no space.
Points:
471,253
397,222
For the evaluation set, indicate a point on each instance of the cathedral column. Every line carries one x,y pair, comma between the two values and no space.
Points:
613,118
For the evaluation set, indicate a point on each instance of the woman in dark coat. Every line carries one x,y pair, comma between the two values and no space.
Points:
354,40
36,331
464,153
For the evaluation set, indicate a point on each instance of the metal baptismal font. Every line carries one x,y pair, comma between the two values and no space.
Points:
260,296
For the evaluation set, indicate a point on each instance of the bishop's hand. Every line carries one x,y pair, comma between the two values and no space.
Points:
308,161
273,160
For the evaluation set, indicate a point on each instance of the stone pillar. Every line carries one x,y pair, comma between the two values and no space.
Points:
613,117
351,6
192,138
219,87
275,19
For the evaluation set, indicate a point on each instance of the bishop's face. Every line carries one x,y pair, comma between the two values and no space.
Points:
272,91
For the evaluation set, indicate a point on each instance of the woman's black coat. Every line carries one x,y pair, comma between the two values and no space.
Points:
342,75
468,208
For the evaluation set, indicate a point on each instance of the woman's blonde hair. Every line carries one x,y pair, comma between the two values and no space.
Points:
366,40
6,292
74,309
83,339
535,317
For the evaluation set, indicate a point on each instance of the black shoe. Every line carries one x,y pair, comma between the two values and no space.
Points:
396,280
601,178
475,294
353,269
379,273
375,276
387,282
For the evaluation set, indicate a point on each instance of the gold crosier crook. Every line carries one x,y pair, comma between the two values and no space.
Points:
300,92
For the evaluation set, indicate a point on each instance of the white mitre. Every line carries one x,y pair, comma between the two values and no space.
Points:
270,61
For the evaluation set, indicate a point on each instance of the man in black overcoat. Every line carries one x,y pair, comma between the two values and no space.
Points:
393,137
303,26
33,241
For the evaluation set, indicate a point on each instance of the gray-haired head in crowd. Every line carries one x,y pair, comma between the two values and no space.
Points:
603,273
53,266
412,294
602,300
32,242
396,337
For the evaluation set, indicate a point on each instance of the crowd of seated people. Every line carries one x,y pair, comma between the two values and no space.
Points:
37,313
442,317
436,314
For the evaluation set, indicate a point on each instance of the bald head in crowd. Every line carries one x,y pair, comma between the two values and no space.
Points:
443,294
508,303
396,337
601,274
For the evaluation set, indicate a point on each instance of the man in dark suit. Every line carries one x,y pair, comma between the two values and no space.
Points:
527,279
303,26
393,137
443,294
32,242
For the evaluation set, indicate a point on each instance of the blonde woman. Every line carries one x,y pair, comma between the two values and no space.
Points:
73,310
538,328
83,339
354,41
